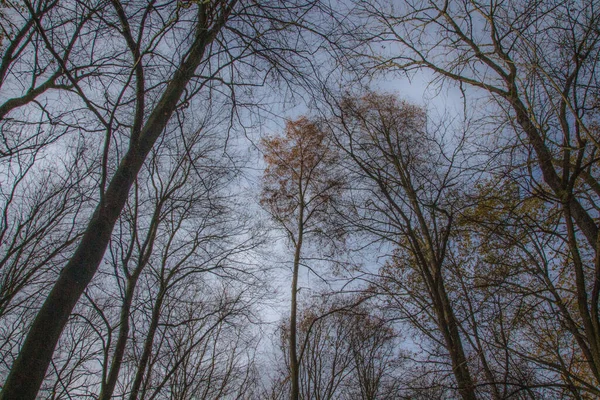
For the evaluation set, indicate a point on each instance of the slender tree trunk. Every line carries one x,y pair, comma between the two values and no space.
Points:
432,262
29,369
496,395
108,387
294,362
139,375
449,328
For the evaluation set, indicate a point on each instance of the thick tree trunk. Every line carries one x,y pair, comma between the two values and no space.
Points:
589,320
582,218
449,328
30,367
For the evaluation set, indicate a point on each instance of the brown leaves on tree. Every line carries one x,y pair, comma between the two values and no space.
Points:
302,178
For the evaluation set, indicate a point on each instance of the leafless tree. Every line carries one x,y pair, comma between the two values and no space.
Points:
169,313
123,70
42,198
346,352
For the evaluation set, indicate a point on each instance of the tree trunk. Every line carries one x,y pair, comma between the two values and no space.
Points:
30,367
294,363
139,375
449,328
108,386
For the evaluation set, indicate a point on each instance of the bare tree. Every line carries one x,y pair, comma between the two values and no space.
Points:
403,180
136,66
373,344
169,312
42,198
173,195
346,352
538,63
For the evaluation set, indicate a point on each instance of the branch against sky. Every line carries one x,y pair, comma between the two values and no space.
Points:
137,66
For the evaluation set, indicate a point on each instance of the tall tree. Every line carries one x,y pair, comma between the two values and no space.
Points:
538,64
29,368
136,66
403,180
300,185
516,248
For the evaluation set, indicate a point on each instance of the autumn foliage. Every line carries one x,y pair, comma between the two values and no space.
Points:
301,178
